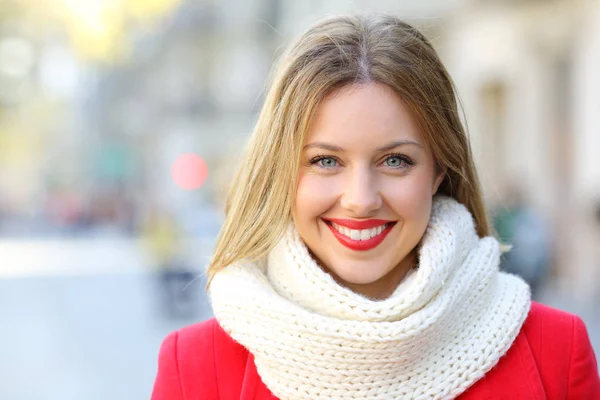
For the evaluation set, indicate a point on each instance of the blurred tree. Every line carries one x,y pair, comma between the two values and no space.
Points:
97,29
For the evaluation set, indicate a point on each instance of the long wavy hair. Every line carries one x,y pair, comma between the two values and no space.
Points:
335,52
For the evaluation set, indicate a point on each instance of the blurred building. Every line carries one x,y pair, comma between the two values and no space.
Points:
98,98
90,125
112,112
526,71
193,84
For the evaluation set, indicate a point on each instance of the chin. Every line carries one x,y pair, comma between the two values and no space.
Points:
359,275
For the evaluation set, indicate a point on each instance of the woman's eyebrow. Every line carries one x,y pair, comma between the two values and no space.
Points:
398,143
390,146
325,146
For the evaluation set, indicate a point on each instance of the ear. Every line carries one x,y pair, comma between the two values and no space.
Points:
439,179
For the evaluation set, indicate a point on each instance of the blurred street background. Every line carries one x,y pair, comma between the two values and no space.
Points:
103,104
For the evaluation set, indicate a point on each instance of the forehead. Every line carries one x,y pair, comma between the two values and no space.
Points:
363,115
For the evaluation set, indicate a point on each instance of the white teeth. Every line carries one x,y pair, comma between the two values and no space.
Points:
363,234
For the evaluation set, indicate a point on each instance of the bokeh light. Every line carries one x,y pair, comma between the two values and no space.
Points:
189,171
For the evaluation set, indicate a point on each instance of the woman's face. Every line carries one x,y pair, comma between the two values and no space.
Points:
365,188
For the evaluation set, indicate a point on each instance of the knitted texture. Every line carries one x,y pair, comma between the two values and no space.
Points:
442,329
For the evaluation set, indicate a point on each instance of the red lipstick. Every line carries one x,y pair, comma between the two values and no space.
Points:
356,224
360,245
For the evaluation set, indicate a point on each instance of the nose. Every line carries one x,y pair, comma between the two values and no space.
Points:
361,196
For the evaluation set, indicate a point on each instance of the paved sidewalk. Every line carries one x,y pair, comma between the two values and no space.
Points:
87,337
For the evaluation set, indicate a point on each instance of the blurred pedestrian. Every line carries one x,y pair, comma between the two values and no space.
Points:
355,260
162,236
523,228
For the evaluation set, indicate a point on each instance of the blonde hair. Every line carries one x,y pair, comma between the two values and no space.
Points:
333,53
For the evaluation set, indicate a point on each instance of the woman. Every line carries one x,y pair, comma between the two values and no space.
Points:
356,259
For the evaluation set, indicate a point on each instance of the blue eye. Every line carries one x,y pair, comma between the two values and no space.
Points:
325,162
398,161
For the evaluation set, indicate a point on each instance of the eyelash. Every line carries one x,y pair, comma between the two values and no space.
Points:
409,162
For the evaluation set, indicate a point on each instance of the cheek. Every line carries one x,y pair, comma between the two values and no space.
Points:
314,196
410,197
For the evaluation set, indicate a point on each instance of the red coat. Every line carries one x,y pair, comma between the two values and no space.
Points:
552,358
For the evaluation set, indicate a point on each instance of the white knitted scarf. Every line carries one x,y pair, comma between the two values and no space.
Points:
443,328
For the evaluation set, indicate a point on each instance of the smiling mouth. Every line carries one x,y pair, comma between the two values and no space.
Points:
360,239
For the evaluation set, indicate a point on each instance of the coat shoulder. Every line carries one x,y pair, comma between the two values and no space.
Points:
551,333
541,314
184,361
562,350
194,359
199,336
551,358
207,341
